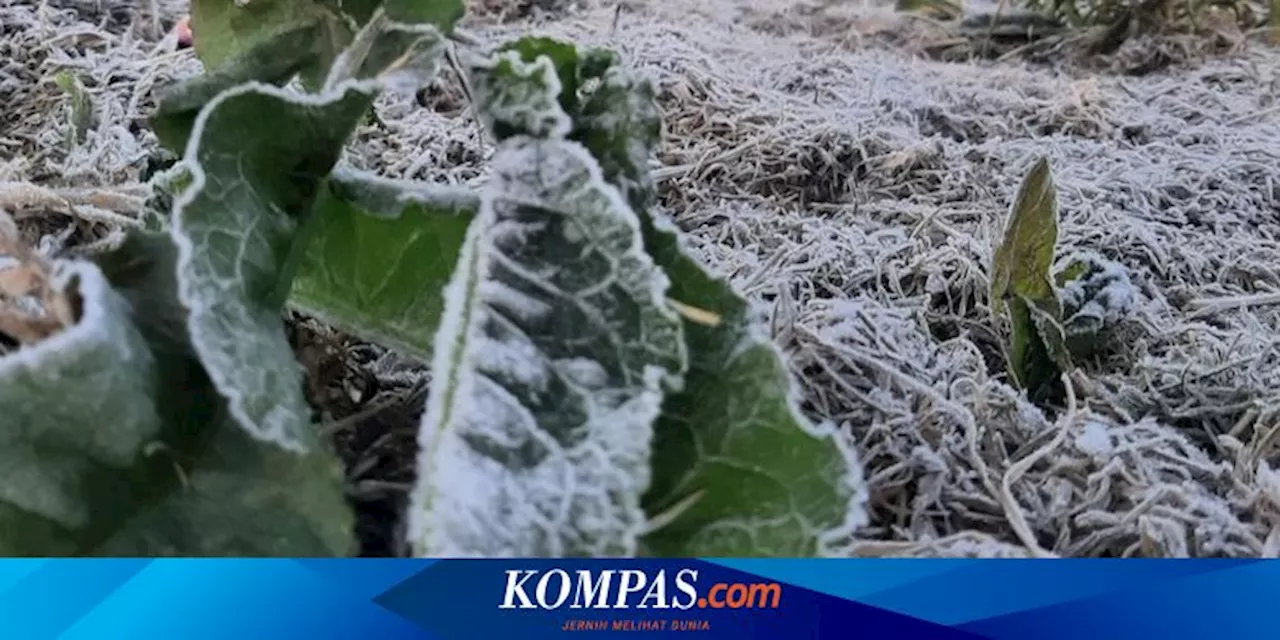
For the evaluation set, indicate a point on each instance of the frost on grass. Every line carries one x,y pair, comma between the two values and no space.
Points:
258,157
550,366
117,63
379,256
857,194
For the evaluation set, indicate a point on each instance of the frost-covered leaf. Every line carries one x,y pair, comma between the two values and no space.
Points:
1096,295
942,9
1037,351
744,471
1073,271
258,157
56,454
611,112
379,256
520,97
243,497
227,493
737,470
1022,283
402,56
549,369
400,42
140,463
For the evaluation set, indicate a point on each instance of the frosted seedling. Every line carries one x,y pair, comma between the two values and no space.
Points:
1020,283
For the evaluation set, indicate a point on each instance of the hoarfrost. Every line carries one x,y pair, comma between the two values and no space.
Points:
1095,441
518,456
812,164
1102,296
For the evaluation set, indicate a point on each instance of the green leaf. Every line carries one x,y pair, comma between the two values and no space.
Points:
229,29
1071,273
224,492
143,463
313,41
1021,278
737,469
63,462
1037,352
612,114
549,369
520,98
1273,22
564,59
81,106
1025,256
274,61
745,472
942,9
441,13
243,498
258,160
379,257
401,56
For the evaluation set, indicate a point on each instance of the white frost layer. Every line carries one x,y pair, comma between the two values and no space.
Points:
533,444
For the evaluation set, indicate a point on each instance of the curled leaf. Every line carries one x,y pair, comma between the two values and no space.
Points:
258,157
143,462
274,61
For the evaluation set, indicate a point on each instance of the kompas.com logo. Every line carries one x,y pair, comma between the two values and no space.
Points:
612,589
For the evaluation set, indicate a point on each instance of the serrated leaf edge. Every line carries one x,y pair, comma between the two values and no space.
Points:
562,124
455,331
853,481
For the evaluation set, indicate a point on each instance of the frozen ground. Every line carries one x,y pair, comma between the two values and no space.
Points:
856,190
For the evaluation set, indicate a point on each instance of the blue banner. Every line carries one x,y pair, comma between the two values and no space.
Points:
731,599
